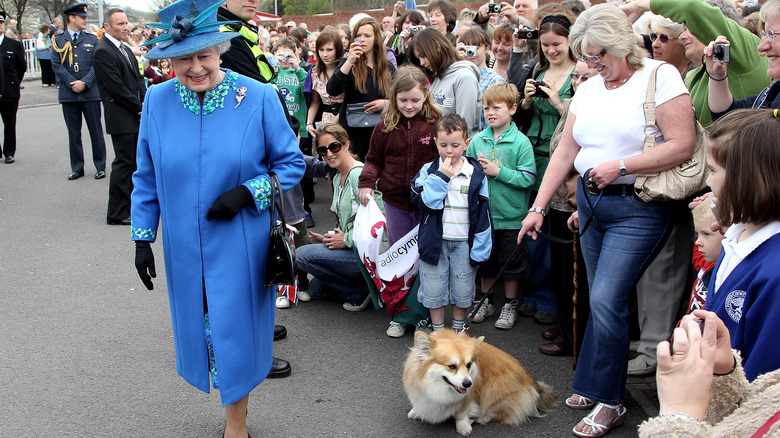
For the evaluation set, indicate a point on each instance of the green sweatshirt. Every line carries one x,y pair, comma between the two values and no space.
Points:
510,190
290,85
747,70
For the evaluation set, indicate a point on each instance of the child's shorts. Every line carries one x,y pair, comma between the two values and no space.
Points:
504,243
451,281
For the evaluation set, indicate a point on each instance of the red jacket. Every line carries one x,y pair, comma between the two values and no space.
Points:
395,157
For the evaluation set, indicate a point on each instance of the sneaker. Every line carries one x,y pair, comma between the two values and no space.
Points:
396,329
282,302
508,316
357,307
527,310
486,310
304,296
309,221
637,367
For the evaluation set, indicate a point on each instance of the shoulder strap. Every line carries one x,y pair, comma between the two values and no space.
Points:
649,109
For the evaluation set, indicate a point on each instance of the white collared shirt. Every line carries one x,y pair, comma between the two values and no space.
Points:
735,251
455,216
113,40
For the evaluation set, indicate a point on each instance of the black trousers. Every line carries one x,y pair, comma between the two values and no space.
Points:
91,110
47,72
120,185
8,113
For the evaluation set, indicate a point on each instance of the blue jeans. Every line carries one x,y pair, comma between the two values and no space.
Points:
451,281
624,237
335,271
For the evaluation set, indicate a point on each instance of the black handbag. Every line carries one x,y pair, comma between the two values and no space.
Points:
357,117
280,265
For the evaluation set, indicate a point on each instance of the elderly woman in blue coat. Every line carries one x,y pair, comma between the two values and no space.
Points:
207,142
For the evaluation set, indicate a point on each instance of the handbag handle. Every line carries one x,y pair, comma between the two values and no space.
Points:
276,199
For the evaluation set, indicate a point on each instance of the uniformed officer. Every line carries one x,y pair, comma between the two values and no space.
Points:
72,63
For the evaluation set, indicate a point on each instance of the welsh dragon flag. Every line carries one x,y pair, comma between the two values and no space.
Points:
391,275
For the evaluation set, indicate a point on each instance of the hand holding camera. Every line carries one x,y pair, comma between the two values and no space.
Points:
716,58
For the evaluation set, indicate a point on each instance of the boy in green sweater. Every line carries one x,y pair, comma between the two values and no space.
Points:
507,158
290,80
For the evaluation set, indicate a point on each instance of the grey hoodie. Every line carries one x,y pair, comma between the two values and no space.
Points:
458,92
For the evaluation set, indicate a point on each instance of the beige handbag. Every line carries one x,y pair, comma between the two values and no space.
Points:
681,181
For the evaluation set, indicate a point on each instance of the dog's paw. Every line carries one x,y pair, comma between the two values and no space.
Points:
413,415
463,426
483,420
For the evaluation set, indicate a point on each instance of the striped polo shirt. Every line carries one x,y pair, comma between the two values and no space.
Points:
455,217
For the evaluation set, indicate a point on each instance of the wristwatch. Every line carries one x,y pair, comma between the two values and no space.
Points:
539,210
623,171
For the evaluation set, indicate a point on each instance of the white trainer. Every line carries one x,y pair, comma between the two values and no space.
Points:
396,329
508,316
486,310
282,302
304,296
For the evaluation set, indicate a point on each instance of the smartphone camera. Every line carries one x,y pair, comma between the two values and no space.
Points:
527,34
494,8
721,52
470,51
539,92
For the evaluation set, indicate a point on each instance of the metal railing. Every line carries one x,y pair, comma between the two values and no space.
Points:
33,68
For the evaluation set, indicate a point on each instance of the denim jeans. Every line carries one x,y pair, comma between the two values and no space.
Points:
451,281
624,237
335,271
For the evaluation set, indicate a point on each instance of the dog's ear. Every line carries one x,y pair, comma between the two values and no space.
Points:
424,344
480,340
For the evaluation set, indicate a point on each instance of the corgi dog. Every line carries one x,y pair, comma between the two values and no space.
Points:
449,374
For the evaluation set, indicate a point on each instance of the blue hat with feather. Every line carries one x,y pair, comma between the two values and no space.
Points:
191,26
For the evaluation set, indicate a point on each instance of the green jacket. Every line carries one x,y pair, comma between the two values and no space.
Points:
510,190
747,70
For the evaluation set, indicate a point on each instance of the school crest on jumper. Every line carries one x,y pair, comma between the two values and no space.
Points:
734,301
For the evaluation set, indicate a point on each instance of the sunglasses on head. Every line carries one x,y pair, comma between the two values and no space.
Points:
334,147
662,36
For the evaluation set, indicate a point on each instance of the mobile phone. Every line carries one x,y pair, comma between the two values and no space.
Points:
480,155
359,41
721,52
494,7
700,322
331,232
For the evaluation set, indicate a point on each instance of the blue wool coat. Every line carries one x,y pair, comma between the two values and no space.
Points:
185,162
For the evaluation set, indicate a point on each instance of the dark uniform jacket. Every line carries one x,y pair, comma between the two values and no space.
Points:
79,68
14,67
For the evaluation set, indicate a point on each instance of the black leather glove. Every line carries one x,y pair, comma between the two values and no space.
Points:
228,205
144,263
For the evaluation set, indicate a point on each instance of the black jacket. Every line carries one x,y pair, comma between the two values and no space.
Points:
121,86
13,68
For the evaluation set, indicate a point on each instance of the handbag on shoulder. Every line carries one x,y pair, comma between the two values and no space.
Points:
280,268
681,181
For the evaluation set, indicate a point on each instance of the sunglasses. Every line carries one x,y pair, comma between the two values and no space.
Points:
597,58
662,36
334,147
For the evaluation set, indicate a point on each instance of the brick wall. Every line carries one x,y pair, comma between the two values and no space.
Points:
343,16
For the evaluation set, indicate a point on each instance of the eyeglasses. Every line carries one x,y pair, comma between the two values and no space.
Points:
597,58
576,76
662,36
334,147
769,34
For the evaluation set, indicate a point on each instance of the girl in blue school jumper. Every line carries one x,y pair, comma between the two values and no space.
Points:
744,162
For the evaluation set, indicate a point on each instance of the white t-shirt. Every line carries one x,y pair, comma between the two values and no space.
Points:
610,123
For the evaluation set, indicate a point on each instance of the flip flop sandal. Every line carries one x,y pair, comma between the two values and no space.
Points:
582,403
597,429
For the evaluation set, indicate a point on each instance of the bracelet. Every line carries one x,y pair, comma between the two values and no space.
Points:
347,62
718,80
732,369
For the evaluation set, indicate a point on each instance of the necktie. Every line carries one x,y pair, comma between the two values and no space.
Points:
75,36
124,52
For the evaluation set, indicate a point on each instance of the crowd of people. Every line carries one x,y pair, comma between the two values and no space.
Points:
512,135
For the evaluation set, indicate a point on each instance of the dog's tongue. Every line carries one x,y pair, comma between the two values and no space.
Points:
461,390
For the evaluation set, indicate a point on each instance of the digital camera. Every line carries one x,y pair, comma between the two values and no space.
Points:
527,34
413,30
721,52
539,92
470,51
494,7
286,56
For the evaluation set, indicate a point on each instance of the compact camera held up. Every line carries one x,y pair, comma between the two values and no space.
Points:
721,52
470,51
527,34
494,8
539,92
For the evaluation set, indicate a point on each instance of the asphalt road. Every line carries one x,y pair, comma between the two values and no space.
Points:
87,351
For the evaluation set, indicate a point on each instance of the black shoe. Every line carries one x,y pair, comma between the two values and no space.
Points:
9,159
75,175
544,318
280,332
125,221
309,221
279,368
100,174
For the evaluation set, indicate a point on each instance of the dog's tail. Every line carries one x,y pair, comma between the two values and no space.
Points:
546,401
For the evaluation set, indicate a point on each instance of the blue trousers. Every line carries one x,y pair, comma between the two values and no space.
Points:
72,112
336,272
624,237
